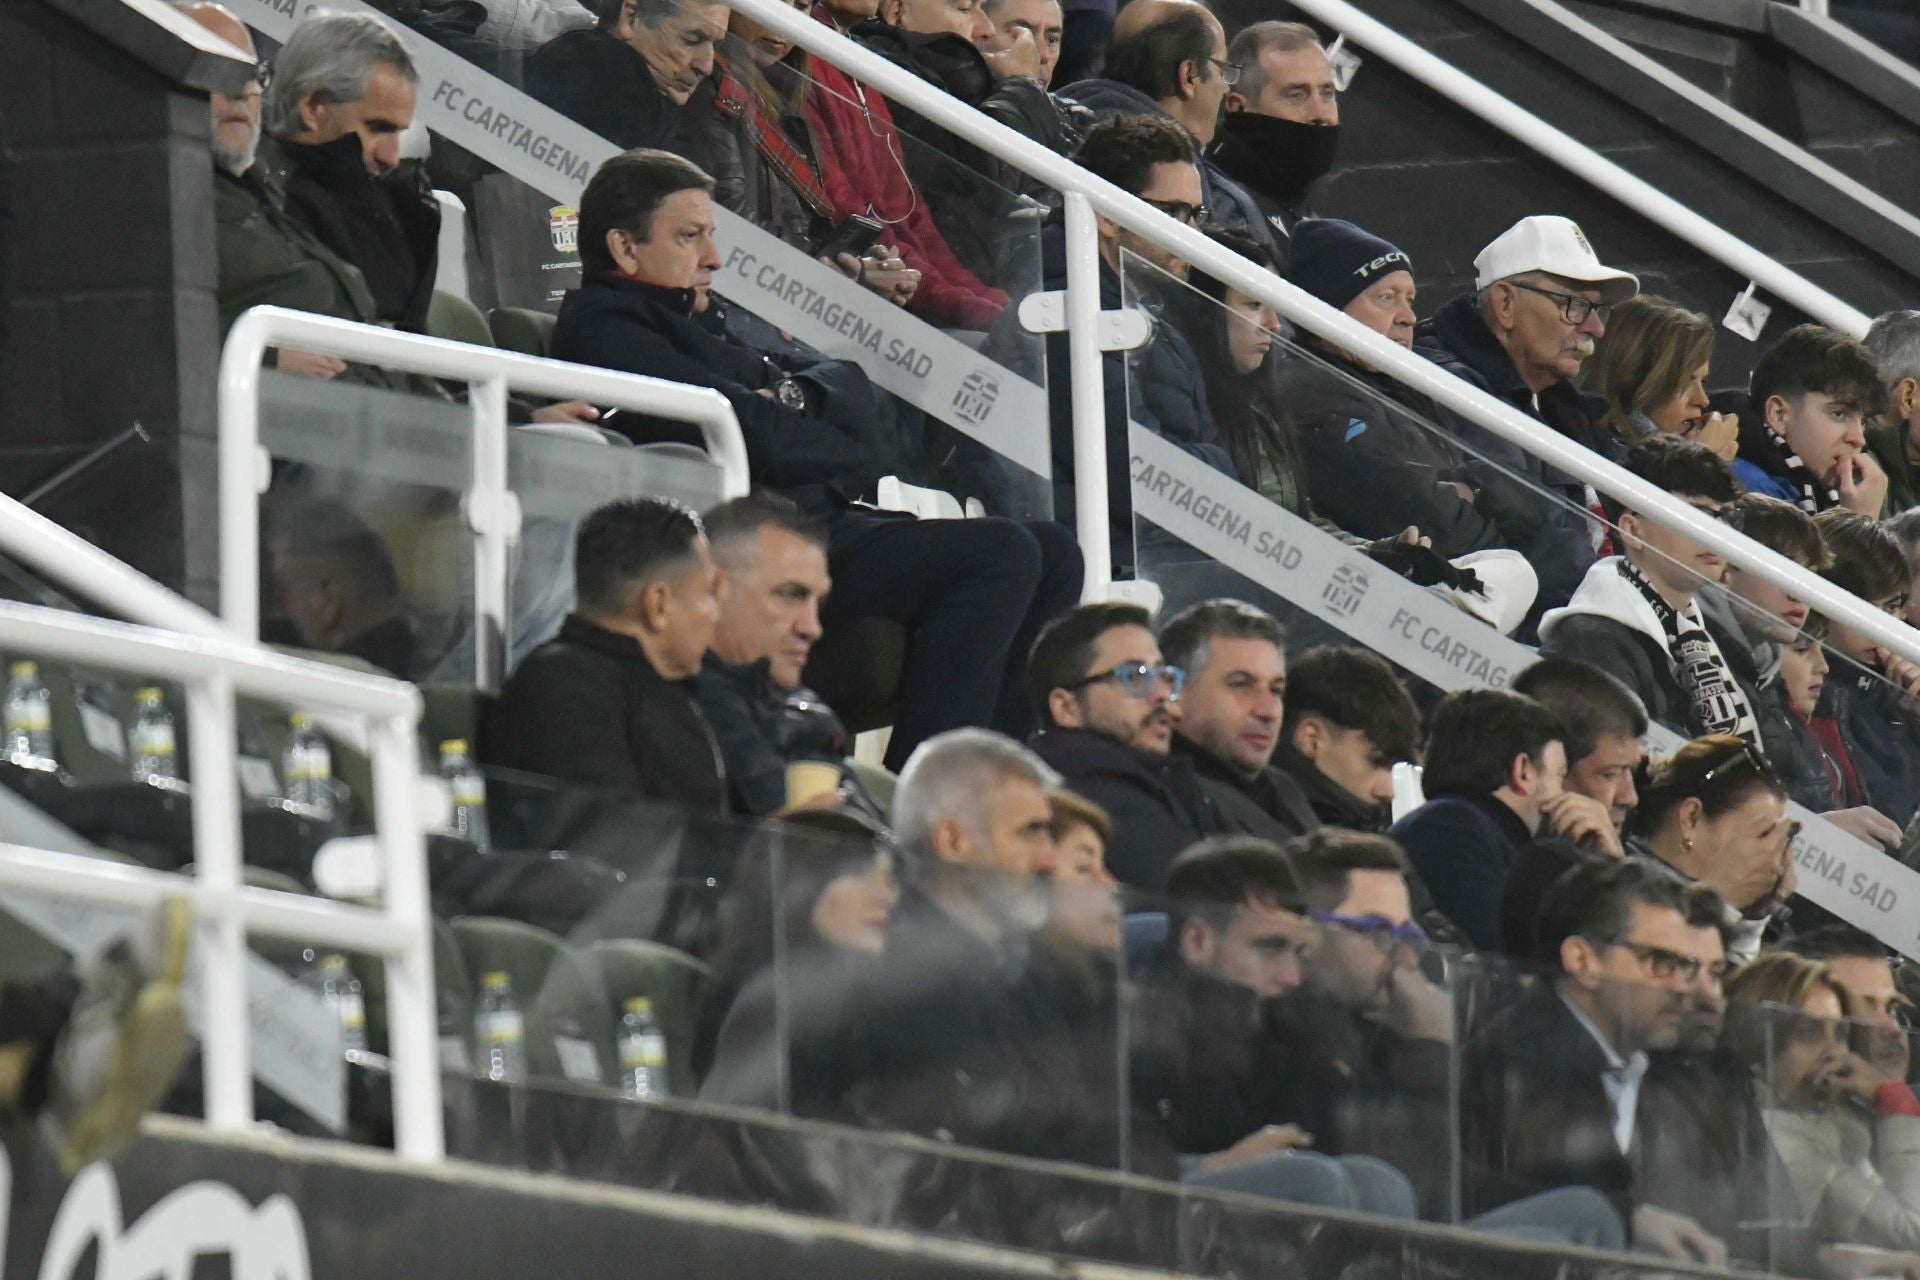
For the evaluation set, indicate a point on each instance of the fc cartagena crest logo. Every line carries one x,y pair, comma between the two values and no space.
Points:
563,222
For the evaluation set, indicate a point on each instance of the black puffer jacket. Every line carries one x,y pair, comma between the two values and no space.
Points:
1155,802
597,80
588,707
1373,467
389,226
744,182
1882,734
1543,514
762,729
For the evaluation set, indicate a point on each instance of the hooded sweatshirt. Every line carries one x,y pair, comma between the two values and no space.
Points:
1610,624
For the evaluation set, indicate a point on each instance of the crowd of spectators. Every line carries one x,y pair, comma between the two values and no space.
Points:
1301,1025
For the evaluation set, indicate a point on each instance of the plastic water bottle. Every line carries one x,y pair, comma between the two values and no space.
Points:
342,994
643,1052
29,718
468,820
154,756
501,1030
307,766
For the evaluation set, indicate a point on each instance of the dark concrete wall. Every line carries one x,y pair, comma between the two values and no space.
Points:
110,308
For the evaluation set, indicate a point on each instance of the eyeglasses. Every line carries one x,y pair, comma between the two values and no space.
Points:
1665,965
1748,758
1380,931
1229,71
1180,211
1574,309
1137,679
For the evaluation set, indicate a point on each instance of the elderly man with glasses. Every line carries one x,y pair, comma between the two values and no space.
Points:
1542,300
1108,705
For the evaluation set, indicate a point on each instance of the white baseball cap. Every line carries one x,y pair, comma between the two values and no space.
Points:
1556,246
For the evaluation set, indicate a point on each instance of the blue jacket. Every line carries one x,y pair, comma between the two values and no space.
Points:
1756,480
1465,848
1542,514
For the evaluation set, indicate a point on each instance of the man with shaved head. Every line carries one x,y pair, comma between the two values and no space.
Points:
1169,58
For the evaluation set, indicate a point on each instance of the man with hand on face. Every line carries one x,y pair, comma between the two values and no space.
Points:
1804,442
1495,771
1283,120
955,46
609,701
1108,704
1230,713
773,565
627,77
1541,301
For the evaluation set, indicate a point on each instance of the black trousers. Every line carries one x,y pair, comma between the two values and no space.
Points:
972,595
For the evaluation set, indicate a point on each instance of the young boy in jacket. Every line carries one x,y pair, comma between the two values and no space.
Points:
1637,615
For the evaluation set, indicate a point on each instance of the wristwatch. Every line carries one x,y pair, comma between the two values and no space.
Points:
786,388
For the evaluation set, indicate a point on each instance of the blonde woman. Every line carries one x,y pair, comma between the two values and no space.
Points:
1652,370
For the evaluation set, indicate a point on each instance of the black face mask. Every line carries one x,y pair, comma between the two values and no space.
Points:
1279,158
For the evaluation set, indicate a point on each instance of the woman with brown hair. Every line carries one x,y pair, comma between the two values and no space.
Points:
1652,369
1786,1019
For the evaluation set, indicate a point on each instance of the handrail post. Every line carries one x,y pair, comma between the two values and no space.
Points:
238,468
1087,381
225,1051
491,515
413,1029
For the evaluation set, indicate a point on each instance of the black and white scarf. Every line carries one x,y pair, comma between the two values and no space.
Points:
1716,702
1815,494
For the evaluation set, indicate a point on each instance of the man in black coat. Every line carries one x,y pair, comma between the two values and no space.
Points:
338,161
1541,302
1109,705
609,701
774,558
1230,710
971,594
1282,124
627,77
1348,721
1551,1086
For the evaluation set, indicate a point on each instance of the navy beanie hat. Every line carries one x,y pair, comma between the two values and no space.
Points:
1335,261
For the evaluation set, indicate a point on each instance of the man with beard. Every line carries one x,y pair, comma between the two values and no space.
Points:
1283,120
1109,704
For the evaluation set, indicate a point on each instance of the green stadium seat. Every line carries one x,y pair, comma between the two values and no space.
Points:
452,317
524,330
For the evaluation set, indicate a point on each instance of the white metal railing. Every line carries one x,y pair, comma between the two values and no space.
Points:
491,509
66,558
1590,166
213,671
1301,309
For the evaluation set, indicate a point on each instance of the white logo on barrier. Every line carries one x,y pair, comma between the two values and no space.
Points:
201,1218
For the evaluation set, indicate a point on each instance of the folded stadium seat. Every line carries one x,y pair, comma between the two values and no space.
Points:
452,317
288,956
565,1040
452,1000
524,330
92,710
676,983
